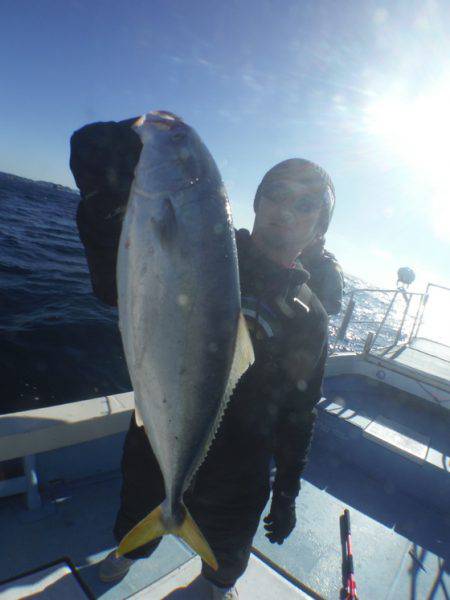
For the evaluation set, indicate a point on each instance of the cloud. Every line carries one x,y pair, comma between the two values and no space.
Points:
250,81
427,16
177,59
232,116
380,253
380,16
203,62
193,61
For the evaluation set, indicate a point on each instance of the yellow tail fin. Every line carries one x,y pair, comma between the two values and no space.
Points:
152,526
191,534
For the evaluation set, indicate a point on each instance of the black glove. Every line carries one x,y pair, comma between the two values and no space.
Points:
103,157
281,520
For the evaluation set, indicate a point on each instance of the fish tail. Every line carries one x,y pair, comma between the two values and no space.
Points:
191,534
154,526
150,528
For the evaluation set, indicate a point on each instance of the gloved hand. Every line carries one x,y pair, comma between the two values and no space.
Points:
103,154
102,159
281,519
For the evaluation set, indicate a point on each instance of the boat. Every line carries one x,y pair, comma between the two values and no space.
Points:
381,450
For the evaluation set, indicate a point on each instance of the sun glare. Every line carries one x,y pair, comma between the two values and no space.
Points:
417,130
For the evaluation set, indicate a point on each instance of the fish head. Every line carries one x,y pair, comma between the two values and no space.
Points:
173,157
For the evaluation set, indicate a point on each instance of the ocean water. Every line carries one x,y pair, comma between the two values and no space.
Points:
58,343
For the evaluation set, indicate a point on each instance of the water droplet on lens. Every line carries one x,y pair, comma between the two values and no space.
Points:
183,300
302,385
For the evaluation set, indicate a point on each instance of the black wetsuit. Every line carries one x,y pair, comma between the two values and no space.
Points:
271,413
326,280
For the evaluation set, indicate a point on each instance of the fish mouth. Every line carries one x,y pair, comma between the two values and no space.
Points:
160,119
163,122
175,145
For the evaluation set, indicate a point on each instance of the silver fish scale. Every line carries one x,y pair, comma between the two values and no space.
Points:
179,299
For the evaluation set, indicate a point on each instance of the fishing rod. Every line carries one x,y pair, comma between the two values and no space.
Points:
350,584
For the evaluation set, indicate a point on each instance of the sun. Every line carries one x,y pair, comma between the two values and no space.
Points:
417,129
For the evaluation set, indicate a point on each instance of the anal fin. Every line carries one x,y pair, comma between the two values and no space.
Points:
244,356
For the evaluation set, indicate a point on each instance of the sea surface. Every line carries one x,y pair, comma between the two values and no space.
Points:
58,343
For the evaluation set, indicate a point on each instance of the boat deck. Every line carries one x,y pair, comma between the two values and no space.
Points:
393,436
357,397
401,548
423,356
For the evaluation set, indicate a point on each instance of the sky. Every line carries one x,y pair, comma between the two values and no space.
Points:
358,86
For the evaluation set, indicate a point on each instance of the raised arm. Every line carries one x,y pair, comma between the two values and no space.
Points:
102,159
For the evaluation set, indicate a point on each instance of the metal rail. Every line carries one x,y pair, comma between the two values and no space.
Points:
423,304
397,329
348,315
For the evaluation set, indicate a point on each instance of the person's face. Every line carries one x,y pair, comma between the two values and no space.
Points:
288,214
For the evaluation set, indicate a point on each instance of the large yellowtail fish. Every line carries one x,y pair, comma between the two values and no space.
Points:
185,338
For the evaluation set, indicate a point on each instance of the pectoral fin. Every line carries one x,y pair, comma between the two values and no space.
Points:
165,221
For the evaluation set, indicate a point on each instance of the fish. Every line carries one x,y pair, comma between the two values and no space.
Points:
184,335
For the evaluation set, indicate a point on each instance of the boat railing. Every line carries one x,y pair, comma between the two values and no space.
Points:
401,313
433,322
402,317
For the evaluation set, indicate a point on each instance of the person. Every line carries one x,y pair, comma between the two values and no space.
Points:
326,278
271,413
